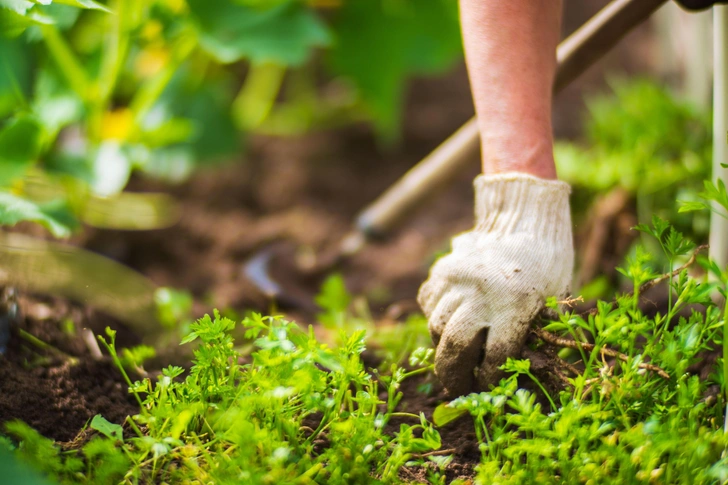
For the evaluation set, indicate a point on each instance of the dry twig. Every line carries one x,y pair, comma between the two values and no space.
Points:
448,451
574,344
676,272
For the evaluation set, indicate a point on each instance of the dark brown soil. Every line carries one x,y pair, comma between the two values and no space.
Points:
458,437
59,400
58,390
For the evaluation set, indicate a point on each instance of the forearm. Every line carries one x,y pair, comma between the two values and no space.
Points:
510,49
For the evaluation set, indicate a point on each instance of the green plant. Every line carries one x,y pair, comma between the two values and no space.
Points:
92,91
632,410
298,412
393,343
643,140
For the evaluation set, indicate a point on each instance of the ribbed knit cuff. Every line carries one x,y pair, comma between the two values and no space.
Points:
514,202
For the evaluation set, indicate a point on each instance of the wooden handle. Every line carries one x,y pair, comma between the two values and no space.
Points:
574,55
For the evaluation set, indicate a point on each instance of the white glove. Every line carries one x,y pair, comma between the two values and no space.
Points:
481,298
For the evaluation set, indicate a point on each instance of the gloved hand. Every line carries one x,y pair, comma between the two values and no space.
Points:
481,298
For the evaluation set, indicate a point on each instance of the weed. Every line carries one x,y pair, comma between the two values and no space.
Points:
633,411
297,412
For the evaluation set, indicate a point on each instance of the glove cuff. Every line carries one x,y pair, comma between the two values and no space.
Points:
513,202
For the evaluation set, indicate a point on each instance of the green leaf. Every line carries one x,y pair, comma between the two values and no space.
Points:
173,306
445,414
20,7
87,4
214,134
54,104
381,44
690,206
15,18
54,216
519,366
110,430
206,113
334,297
284,33
20,144
131,211
62,17
20,140
15,471
136,356
111,169
715,193
15,75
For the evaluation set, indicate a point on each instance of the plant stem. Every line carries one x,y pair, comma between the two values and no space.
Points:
543,389
66,61
46,346
255,100
152,89
115,357
116,46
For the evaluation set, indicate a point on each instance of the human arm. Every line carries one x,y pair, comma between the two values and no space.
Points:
481,298
510,51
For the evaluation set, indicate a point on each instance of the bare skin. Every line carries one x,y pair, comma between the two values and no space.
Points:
510,51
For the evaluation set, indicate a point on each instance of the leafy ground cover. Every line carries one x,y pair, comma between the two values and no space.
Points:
633,424
619,397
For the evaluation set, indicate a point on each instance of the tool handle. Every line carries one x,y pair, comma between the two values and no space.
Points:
574,55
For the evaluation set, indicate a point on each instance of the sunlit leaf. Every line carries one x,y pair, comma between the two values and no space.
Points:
131,211
14,20
54,216
20,144
690,206
445,414
284,33
87,4
111,169
62,17
54,104
106,428
173,306
18,6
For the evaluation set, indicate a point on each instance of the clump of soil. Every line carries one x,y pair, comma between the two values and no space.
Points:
58,389
59,400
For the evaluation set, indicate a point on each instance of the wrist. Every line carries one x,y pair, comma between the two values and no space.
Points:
515,202
546,171
506,156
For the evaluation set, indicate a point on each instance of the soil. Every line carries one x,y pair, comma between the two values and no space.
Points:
58,391
302,193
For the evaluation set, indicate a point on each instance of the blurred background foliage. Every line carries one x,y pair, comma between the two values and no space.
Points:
91,92
645,152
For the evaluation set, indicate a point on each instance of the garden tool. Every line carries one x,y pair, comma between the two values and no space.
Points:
574,55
